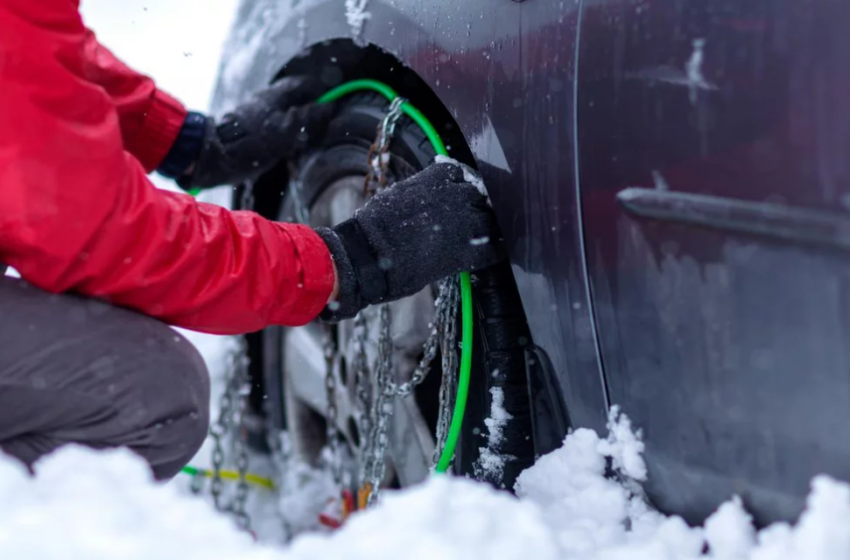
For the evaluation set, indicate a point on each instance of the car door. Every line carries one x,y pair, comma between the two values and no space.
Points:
714,140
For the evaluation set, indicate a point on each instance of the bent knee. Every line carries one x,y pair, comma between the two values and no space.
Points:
188,413
167,403
177,385
180,429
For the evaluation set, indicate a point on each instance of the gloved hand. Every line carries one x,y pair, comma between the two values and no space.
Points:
276,124
420,230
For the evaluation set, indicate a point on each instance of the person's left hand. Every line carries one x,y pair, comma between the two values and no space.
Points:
276,124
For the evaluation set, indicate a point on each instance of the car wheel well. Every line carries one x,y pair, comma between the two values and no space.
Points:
341,60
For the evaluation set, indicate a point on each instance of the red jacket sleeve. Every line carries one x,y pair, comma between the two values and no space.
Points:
150,119
77,212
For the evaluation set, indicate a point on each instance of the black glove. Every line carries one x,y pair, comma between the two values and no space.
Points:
276,124
422,229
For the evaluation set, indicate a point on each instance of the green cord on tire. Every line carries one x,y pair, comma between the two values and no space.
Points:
388,92
465,278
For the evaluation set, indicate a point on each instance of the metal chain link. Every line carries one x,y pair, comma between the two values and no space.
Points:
218,431
363,388
379,152
450,298
279,459
373,455
242,387
383,408
232,407
332,429
446,311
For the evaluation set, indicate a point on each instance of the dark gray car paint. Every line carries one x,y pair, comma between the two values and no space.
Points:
728,347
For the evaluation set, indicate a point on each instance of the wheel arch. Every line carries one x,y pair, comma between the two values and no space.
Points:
396,45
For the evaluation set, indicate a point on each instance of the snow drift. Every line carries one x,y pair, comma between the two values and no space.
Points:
105,505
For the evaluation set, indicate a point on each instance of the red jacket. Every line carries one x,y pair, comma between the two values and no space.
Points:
78,132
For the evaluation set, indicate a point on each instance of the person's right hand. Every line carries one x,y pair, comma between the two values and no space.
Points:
425,228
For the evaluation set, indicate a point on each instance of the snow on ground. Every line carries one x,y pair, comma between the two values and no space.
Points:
105,506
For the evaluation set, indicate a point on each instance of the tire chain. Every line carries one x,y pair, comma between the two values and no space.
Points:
446,330
243,389
373,418
235,384
364,391
383,408
378,157
446,313
375,403
332,429
279,460
443,335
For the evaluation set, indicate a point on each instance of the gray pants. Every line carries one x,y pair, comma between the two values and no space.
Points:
74,370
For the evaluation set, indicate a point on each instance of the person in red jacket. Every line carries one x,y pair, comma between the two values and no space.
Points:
108,261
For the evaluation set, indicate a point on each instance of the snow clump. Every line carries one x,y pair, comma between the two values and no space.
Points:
469,175
491,463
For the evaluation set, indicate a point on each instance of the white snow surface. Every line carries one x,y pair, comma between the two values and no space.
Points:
104,505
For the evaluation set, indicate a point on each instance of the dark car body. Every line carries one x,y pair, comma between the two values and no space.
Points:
672,178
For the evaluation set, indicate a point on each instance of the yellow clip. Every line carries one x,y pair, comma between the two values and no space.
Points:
363,495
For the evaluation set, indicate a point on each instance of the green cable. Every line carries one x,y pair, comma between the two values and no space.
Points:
465,278
388,92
